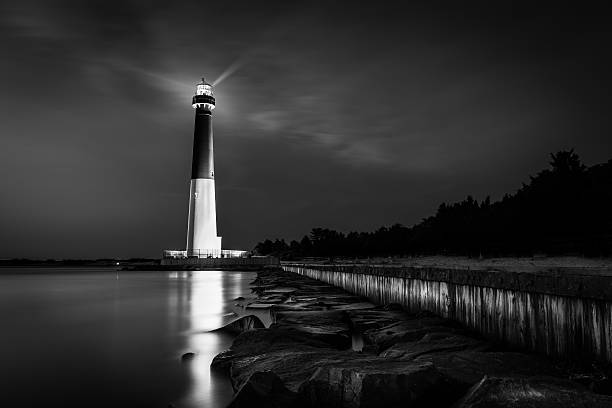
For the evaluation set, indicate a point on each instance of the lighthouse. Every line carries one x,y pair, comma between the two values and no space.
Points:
202,239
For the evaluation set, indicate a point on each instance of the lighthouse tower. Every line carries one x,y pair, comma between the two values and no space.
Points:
202,236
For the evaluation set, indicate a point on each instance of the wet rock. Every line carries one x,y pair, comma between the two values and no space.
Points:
270,299
293,365
295,307
362,320
468,367
280,290
377,383
252,344
187,356
433,343
601,386
336,299
259,305
354,306
260,289
242,324
393,306
263,389
408,330
330,327
542,392
223,361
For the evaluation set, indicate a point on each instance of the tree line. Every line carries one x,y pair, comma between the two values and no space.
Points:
565,209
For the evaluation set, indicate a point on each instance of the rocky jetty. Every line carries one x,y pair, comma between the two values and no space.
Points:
328,348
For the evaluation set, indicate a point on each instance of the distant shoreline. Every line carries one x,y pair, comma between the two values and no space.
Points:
514,263
23,262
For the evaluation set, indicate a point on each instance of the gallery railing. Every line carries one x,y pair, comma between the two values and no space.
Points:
205,253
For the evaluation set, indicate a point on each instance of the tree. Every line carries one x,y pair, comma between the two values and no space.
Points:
562,209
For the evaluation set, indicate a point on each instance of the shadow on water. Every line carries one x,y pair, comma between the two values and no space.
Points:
97,339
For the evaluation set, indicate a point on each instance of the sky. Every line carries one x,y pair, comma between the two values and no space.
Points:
329,114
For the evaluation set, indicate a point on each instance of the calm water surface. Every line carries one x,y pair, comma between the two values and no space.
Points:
98,337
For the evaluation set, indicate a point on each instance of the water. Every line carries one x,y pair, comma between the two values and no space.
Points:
101,338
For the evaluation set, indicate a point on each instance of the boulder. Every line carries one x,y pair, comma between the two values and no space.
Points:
283,339
293,366
295,307
263,389
408,330
260,289
328,326
393,306
433,343
468,367
540,392
187,356
280,291
362,320
375,382
257,305
271,299
354,306
245,323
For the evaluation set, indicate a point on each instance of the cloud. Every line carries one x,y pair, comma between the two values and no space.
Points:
269,121
365,153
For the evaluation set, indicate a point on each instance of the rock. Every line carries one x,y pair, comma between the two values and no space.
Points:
541,392
187,356
295,307
354,306
362,320
259,289
270,299
328,326
223,361
242,324
280,290
293,365
468,367
408,330
433,343
254,343
377,383
259,305
239,298
263,389
393,306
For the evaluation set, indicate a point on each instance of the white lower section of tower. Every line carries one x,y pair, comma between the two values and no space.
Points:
202,227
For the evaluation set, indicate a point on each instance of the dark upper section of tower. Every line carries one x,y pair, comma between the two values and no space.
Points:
202,166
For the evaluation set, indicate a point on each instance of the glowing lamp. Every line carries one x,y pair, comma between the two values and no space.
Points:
203,98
